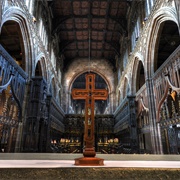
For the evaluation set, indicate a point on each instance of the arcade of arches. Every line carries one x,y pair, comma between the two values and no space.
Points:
48,47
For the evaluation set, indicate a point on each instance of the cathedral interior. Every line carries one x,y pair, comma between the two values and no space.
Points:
48,47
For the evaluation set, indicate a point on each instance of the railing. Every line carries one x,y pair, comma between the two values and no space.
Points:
8,121
121,116
74,130
57,116
74,123
13,75
142,99
171,67
104,124
142,110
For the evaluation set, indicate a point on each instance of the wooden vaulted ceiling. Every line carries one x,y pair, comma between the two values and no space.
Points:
90,28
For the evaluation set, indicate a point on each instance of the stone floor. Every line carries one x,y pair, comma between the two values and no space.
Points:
90,174
61,166
112,157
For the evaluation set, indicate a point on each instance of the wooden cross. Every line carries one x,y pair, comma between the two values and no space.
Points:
90,94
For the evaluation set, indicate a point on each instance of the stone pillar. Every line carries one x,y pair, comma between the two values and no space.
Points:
112,102
159,135
48,142
154,131
10,139
133,124
19,137
36,127
69,101
66,99
22,121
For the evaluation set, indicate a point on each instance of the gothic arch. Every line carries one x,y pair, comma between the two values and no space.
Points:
17,15
162,15
93,71
38,69
42,61
98,66
81,103
138,66
82,72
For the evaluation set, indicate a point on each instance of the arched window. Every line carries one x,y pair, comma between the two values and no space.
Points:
140,79
148,6
38,70
135,33
29,4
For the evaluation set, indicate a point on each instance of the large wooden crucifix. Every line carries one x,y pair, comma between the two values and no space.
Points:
90,94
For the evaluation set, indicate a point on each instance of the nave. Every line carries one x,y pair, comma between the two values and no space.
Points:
131,47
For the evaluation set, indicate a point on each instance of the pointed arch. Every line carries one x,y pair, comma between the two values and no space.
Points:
38,69
41,61
80,83
16,14
84,71
138,73
162,15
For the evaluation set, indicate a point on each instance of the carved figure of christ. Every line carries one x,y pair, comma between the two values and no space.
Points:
90,94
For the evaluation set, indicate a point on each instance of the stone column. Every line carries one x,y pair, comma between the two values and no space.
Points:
112,102
68,103
19,137
133,124
160,138
154,131
66,100
10,139
48,141
22,121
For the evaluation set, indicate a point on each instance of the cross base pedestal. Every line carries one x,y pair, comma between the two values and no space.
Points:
89,161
